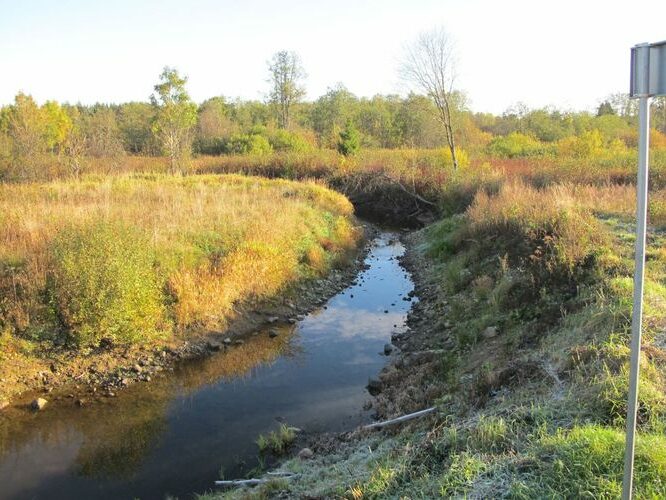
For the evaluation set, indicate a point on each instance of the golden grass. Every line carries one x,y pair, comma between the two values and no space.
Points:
217,240
552,217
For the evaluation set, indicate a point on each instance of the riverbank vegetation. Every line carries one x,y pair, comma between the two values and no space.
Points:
139,259
520,340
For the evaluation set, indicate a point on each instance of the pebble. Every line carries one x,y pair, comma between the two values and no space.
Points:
374,386
38,404
214,346
489,332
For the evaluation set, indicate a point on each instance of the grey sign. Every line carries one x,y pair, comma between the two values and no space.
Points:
648,70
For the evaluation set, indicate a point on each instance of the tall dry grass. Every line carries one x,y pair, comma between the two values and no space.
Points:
213,241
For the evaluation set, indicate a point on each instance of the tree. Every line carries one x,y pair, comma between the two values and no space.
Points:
75,143
102,134
429,63
623,105
350,140
213,126
605,108
175,118
330,112
134,122
26,127
57,125
418,122
286,75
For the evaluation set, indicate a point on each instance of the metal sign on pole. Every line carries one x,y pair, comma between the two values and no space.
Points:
648,79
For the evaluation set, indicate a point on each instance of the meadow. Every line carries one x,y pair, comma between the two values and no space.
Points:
140,259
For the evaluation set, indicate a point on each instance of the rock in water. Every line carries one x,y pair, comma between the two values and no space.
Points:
388,349
38,404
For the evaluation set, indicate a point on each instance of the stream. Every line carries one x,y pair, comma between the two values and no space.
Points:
176,434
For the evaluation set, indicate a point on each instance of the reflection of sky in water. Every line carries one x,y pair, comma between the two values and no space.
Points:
204,419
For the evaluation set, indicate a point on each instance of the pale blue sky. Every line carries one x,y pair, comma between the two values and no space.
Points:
564,53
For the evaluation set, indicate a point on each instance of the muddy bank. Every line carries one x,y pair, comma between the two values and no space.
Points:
389,203
59,374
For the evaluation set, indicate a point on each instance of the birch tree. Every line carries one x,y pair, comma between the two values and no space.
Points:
429,63
176,116
286,76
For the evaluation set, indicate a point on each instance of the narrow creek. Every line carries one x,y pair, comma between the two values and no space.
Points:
174,435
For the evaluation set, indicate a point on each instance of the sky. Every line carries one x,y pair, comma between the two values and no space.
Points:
567,54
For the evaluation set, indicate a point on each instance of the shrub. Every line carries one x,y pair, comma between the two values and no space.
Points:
252,144
589,144
350,140
103,284
284,140
515,145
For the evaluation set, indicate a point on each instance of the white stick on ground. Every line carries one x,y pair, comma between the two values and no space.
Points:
256,482
404,418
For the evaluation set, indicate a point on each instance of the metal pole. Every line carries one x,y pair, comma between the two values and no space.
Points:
639,273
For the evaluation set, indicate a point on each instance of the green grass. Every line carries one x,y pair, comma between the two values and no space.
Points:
587,462
276,442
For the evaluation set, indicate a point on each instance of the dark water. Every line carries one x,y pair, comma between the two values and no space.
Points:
172,436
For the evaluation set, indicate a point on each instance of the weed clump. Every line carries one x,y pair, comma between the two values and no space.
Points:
278,441
102,284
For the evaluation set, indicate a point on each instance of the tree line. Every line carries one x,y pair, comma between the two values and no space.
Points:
170,124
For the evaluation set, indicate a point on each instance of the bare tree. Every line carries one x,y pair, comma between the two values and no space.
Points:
286,75
429,63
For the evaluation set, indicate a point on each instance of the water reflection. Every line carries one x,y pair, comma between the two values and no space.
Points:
172,435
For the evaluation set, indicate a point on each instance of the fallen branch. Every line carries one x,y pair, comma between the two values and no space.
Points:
404,418
241,482
255,482
428,351
403,188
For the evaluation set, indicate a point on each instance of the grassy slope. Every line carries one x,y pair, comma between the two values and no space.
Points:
529,297
144,258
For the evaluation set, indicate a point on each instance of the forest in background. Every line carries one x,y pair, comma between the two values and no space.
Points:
60,139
